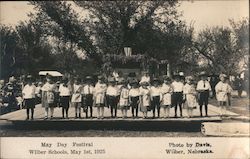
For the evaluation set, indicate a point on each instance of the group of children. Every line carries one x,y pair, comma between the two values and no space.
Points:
122,95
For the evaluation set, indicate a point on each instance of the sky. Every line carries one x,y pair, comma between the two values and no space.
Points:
202,13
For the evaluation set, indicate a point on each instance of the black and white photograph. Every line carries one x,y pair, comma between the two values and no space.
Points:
90,79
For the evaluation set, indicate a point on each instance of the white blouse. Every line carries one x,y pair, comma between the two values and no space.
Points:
134,92
88,89
155,91
64,90
203,85
177,86
112,91
29,91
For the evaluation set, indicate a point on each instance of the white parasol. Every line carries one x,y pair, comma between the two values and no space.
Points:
52,73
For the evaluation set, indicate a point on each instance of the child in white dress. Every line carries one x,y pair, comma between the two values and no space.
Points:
124,99
144,98
48,96
189,96
222,90
99,97
76,98
166,91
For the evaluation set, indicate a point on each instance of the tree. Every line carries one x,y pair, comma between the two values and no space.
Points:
35,49
66,19
222,46
23,50
116,24
152,28
240,31
8,50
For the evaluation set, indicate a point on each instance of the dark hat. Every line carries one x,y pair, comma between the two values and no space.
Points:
134,81
165,77
155,80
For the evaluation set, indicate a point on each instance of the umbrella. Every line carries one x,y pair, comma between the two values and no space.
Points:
52,73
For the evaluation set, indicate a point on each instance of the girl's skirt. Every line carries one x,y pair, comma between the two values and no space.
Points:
29,103
64,101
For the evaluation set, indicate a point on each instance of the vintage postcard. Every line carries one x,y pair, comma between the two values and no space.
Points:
124,79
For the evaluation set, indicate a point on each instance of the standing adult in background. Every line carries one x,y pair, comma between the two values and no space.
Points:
229,96
116,75
39,92
145,77
239,85
22,81
177,97
222,90
87,92
213,81
203,88
28,93
48,96
11,90
1,84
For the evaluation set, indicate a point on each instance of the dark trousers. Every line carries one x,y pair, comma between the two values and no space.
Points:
134,105
112,102
177,101
65,111
64,103
29,104
32,112
88,104
203,100
155,103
